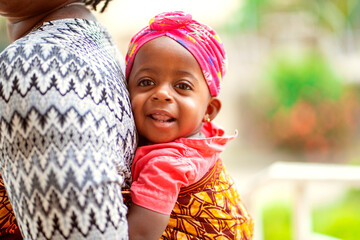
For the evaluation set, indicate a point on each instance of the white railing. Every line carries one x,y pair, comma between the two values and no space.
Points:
299,177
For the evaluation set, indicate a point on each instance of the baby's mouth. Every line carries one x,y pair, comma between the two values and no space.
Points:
161,117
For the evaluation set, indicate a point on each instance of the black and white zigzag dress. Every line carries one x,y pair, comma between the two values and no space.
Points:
67,135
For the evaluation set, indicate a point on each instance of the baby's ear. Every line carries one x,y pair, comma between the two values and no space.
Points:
213,109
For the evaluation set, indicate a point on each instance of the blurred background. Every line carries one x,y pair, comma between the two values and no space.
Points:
291,91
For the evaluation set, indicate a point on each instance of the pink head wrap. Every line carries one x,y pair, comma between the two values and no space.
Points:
200,40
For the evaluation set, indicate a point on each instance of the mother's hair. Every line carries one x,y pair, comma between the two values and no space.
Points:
94,3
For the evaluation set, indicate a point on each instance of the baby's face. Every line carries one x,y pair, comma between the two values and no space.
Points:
168,92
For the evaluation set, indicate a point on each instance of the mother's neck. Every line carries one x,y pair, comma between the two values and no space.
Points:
19,27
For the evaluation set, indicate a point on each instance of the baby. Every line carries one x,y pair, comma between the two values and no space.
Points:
180,187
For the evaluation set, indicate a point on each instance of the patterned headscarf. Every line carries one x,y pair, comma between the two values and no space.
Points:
200,40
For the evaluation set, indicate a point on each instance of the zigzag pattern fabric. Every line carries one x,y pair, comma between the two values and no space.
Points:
67,134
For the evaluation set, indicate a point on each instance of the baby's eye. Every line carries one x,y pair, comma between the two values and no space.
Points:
184,86
145,82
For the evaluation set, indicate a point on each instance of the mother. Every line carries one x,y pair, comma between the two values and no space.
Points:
67,134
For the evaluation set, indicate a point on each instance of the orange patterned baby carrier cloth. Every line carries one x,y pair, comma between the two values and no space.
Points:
210,209
8,225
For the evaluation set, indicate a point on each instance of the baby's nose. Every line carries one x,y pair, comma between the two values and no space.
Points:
163,94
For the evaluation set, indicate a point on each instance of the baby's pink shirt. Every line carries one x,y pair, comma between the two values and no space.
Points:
160,170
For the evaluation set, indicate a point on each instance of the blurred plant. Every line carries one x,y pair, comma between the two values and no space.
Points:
338,16
4,41
276,218
304,76
307,109
250,14
340,219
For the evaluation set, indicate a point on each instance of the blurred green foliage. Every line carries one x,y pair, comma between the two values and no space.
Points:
4,41
301,77
305,105
277,220
336,15
340,219
307,108
249,15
